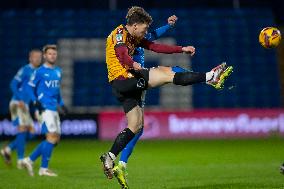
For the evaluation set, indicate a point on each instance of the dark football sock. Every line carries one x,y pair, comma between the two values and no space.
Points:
189,78
121,141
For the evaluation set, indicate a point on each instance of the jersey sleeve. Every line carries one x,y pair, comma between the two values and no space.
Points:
157,33
14,86
123,56
160,48
34,80
121,51
16,83
119,37
20,75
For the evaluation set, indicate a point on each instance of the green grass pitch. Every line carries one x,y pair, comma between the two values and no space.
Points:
176,164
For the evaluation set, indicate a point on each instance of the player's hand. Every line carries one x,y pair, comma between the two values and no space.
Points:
63,110
32,130
38,116
22,105
172,20
38,106
189,50
137,66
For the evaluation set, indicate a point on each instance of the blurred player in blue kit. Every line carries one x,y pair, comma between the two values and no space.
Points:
19,108
44,90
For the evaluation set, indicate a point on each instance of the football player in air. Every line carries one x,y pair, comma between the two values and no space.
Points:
138,56
129,79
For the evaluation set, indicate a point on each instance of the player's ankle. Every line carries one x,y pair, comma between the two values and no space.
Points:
8,150
43,169
209,76
122,163
112,156
29,160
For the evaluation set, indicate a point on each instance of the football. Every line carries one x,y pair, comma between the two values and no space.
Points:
269,37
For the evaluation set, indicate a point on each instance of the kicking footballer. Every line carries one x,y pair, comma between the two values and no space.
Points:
138,56
129,79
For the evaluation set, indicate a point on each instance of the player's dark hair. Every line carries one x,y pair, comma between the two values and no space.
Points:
138,15
48,46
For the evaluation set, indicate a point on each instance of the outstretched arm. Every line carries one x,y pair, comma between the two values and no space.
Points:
161,30
152,36
166,49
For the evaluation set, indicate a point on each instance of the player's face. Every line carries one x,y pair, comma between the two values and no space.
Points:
140,30
35,58
50,56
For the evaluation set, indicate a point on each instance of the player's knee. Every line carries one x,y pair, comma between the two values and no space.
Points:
140,127
53,138
22,128
135,128
165,69
160,76
57,140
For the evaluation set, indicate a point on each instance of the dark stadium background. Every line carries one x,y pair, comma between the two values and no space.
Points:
220,30
195,137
